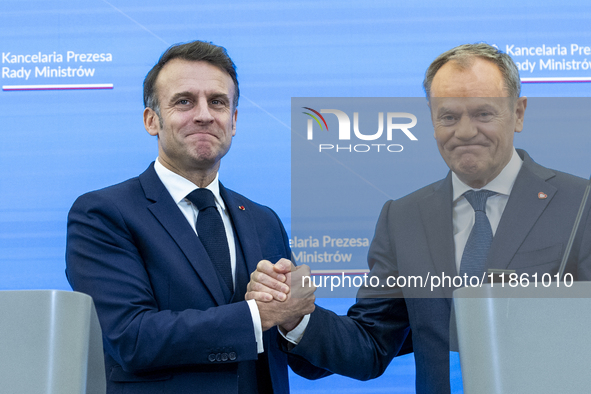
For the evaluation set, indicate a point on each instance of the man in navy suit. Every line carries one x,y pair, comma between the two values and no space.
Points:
474,96
171,306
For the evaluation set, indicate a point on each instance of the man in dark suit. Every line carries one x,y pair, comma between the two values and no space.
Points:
166,256
522,223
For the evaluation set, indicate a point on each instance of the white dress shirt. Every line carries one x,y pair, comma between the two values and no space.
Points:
179,187
463,213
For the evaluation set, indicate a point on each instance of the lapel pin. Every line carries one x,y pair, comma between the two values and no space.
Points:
542,195
241,207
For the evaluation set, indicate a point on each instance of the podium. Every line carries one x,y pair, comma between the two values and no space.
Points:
525,339
50,343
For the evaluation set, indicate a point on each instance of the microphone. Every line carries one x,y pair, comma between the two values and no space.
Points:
571,239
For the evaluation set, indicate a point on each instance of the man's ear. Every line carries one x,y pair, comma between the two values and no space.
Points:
151,121
432,115
235,117
520,107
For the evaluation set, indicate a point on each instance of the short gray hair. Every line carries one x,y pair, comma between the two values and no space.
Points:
465,54
192,51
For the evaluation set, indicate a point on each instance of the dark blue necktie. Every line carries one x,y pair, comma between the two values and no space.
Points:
211,232
481,236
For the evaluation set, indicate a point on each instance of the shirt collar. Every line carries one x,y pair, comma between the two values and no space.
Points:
179,187
502,184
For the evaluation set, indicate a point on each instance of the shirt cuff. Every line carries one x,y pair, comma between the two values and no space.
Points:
295,336
258,326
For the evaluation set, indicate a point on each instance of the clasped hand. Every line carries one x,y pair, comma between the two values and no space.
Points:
282,293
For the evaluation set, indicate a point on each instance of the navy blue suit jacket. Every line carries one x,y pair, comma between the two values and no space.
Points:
167,326
414,235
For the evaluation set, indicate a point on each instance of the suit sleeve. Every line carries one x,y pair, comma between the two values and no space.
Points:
102,260
361,344
582,248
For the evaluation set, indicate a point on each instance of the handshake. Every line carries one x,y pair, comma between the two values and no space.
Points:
281,296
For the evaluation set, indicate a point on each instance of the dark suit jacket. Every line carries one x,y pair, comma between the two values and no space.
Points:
414,235
166,323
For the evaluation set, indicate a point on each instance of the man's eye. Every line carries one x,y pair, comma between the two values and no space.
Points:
217,102
183,103
484,116
448,119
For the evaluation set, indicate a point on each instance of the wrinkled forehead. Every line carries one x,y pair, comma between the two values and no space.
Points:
180,74
470,104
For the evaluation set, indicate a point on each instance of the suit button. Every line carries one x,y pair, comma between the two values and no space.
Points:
211,357
218,357
224,356
232,356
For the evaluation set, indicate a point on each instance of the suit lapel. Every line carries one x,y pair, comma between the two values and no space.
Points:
522,211
436,215
171,218
244,227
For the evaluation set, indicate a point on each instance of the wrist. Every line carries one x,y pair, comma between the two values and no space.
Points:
287,327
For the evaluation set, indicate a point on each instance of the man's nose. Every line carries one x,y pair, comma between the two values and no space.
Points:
466,129
203,112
